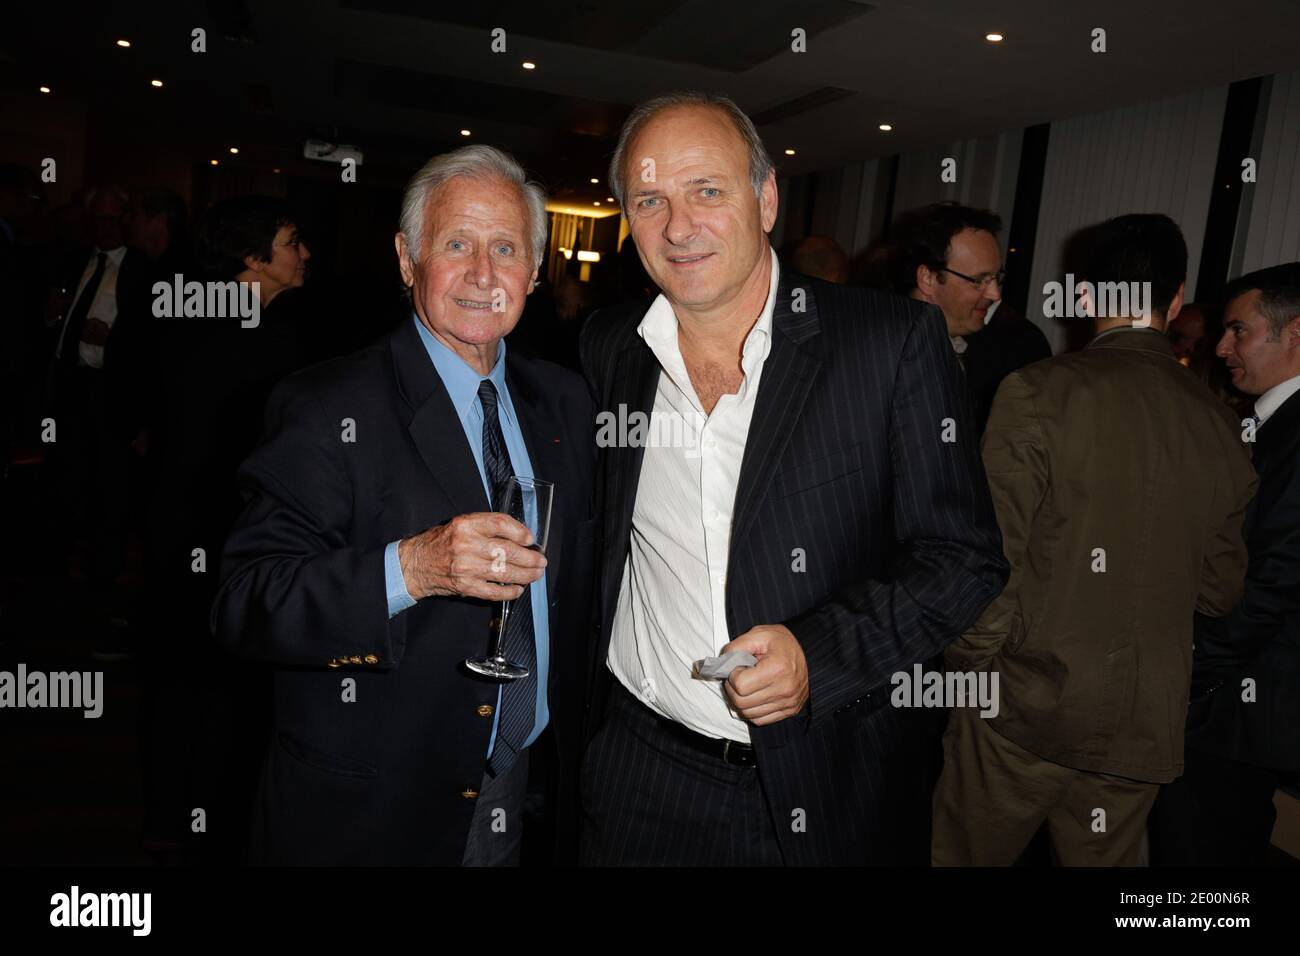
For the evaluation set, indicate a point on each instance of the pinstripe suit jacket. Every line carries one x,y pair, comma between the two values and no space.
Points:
846,460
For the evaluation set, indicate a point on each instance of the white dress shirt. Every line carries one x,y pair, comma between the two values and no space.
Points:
671,607
102,307
1272,400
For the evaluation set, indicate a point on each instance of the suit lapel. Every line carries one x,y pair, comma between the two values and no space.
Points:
436,430
435,427
789,372
636,377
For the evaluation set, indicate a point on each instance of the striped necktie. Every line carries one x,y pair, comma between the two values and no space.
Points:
518,711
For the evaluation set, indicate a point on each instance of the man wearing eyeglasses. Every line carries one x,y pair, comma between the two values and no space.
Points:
949,255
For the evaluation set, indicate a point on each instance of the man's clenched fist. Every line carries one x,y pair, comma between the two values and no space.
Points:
777,686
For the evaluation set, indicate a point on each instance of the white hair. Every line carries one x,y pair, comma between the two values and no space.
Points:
481,162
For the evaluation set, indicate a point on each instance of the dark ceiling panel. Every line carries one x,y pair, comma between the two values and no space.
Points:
921,64
800,104
232,20
733,35
459,96
607,24
737,35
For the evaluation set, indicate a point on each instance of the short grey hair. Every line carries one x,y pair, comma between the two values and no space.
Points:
760,163
481,162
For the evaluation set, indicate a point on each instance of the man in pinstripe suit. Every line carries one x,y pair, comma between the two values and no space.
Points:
826,512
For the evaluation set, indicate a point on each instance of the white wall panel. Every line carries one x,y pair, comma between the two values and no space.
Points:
1156,157
1269,224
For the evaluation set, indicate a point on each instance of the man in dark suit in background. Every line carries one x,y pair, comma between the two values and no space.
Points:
1243,726
93,463
948,255
368,565
192,391
812,514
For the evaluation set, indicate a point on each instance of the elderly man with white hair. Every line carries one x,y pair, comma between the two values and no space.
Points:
368,564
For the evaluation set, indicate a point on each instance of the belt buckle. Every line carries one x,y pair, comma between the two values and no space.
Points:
740,761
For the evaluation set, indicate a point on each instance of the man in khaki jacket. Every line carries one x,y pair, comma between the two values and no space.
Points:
1120,484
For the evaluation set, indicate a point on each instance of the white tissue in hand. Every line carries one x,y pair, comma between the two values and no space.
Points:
720,668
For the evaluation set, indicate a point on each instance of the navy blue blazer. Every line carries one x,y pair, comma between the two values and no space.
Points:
392,777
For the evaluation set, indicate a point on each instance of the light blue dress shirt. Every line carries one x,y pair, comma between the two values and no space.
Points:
462,384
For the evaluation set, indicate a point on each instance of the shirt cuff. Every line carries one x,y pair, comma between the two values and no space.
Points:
399,599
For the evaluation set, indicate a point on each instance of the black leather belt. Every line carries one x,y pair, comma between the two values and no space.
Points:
727,750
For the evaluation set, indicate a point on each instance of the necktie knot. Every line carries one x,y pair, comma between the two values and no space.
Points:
487,394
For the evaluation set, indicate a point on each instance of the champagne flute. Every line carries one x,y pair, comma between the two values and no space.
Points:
528,501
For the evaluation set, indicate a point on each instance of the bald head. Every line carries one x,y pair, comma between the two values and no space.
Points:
822,258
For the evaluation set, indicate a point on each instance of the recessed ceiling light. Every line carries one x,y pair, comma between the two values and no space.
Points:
214,162
994,37
885,127
789,152
529,65
596,203
234,151
609,199
464,132
45,89
155,83
276,169
124,43
594,180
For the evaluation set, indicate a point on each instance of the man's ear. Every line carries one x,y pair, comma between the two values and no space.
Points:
769,201
532,283
1291,336
1176,305
253,264
404,260
926,281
